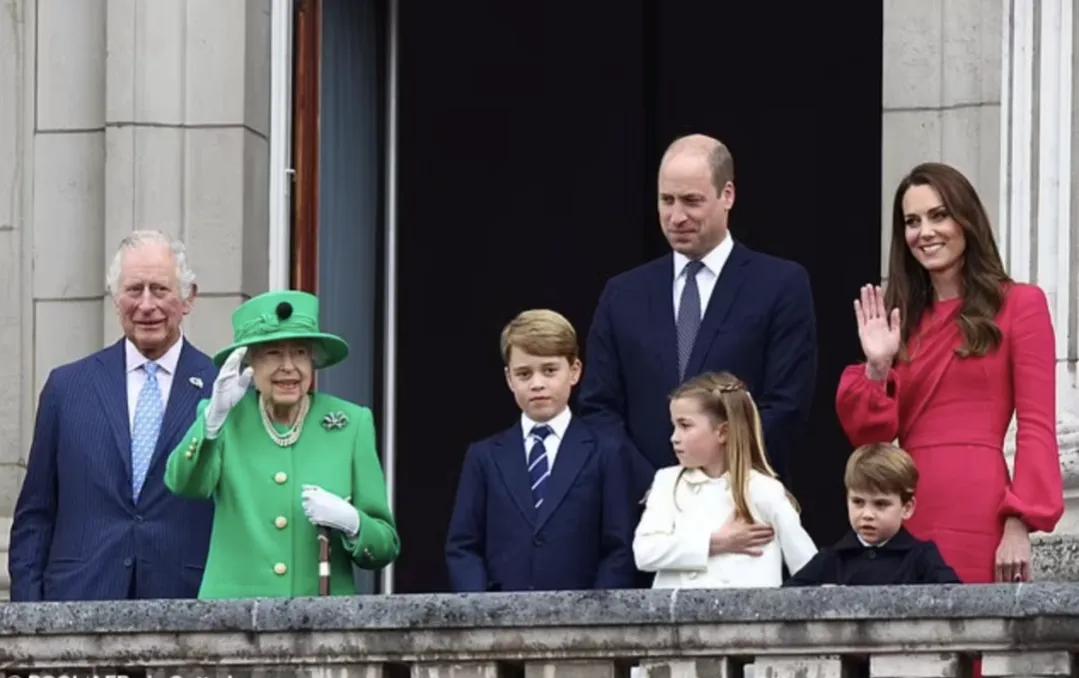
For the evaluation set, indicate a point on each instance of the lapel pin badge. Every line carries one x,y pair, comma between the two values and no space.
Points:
196,382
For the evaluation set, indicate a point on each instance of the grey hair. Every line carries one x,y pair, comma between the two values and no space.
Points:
135,239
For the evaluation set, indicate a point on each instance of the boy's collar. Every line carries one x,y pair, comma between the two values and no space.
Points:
900,541
558,423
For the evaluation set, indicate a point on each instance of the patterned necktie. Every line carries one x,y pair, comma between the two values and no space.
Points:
148,414
689,317
538,468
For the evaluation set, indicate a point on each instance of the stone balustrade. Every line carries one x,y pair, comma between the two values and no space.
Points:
927,631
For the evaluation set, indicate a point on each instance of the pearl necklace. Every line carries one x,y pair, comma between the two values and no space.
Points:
289,437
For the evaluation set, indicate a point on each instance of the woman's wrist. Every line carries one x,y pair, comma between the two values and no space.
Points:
877,371
1015,524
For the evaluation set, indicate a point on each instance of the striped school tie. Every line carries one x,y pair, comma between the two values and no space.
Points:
539,470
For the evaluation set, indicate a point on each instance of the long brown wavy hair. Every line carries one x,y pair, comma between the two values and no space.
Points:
724,398
983,276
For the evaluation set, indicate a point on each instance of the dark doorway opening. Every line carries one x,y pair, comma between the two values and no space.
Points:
529,137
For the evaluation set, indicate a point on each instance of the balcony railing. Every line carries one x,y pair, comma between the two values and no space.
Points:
927,631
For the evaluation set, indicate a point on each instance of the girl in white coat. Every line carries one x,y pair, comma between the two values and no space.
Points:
720,518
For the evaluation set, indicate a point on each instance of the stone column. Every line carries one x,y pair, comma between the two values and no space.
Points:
941,95
1039,221
16,130
187,119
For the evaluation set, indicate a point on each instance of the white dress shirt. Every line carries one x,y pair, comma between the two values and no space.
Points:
136,375
558,423
672,541
706,276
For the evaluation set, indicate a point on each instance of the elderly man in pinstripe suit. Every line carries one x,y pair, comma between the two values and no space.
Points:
94,520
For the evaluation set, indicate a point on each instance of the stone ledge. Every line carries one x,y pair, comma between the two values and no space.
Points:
546,609
312,636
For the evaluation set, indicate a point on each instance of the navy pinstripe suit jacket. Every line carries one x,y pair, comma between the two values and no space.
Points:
77,534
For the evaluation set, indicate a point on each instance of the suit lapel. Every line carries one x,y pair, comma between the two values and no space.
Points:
573,452
111,387
661,317
719,306
509,458
183,397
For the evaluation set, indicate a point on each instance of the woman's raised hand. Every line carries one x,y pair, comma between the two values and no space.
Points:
229,388
878,330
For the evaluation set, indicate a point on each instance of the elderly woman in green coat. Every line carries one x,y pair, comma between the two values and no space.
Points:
281,461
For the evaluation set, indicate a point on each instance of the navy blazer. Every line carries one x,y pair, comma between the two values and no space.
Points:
580,538
759,325
77,534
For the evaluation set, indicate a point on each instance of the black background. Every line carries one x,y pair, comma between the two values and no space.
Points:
528,144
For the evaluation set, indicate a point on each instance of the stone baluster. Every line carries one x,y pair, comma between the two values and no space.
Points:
918,665
570,669
801,666
456,670
1027,664
703,667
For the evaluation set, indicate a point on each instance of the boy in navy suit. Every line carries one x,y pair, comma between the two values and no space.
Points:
544,505
881,480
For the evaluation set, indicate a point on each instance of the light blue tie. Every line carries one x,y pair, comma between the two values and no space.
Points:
148,414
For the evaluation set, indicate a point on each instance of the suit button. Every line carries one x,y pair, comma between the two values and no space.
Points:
189,454
537,541
280,569
872,554
280,477
138,518
280,522
127,562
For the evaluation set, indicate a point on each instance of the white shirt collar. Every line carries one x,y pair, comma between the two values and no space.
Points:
713,261
167,362
558,423
867,544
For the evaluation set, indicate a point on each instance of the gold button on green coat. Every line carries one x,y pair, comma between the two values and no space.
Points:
280,569
281,522
244,472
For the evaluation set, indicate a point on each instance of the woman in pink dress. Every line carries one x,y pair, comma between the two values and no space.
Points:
953,349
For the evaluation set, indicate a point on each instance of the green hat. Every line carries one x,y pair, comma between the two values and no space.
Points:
283,316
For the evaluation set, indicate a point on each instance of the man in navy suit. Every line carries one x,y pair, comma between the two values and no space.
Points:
94,520
713,304
544,505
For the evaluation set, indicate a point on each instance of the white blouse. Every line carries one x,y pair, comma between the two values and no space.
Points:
673,541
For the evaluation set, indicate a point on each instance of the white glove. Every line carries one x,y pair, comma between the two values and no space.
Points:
327,509
229,388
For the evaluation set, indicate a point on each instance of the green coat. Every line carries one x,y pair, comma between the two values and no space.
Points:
262,543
